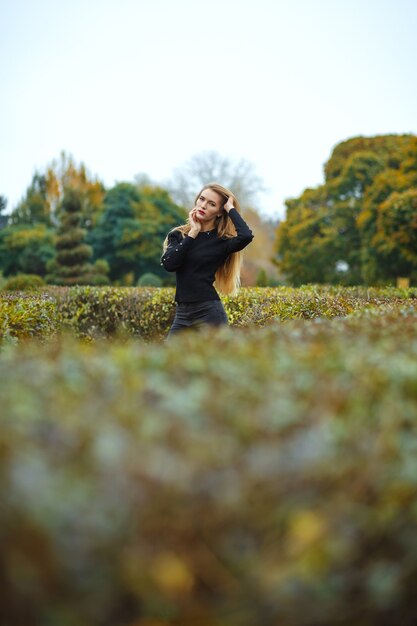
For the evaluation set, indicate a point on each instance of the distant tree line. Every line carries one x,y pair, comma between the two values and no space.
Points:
70,229
360,226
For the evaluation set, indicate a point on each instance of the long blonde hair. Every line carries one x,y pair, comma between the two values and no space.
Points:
228,275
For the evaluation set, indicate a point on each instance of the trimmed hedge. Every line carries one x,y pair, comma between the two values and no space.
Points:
255,476
107,311
25,315
147,312
22,282
149,280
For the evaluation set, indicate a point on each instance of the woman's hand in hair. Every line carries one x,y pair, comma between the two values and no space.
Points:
194,223
229,204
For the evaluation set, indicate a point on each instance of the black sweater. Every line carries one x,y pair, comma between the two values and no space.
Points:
196,260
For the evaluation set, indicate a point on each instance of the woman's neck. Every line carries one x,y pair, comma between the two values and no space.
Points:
208,226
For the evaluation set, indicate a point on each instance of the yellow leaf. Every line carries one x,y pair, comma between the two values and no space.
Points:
171,574
306,528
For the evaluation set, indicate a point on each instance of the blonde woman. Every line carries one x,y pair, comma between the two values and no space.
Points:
204,252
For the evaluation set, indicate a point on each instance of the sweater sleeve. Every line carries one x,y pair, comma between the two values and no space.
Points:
244,234
176,252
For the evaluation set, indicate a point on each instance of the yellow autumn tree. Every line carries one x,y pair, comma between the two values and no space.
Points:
47,189
337,233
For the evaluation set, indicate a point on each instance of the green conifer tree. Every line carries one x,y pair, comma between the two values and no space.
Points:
71,265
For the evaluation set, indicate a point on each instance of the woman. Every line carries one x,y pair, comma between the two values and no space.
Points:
204,250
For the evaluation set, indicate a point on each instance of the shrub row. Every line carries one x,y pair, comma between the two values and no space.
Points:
25,315
23,282
87,312
148,312
108,311
234,477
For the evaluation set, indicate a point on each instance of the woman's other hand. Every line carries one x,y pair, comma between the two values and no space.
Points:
229,204
194,223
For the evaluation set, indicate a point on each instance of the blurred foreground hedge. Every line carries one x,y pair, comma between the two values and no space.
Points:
147,312
243,477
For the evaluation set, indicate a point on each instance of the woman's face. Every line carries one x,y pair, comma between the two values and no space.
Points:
209,205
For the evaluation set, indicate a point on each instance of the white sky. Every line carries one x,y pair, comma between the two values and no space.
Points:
140,86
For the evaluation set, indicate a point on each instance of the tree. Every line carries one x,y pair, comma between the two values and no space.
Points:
238,176
258,258
376,261
73,254
336,225
3,218
35,207
131,230
26,249
305,240
47,189
65,174
396,232
114,238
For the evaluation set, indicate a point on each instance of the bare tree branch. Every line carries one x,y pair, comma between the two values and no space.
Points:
238,176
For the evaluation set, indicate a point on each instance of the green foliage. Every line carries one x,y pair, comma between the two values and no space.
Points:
396,231
27,315
26,249
22,282
342,221
46,192
117,230
4,219
263,305
35,207
262,278
305,241
357,174
130,233
149,280
71,265
99,273
236,477
92,312
101,267
392,150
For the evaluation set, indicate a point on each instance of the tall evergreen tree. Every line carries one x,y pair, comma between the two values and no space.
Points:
71,265
3,218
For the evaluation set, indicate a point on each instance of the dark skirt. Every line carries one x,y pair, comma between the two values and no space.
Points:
197,314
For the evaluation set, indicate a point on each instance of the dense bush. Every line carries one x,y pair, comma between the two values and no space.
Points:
262,306
22,282
26,315
107,311
239,477
149,280
148,312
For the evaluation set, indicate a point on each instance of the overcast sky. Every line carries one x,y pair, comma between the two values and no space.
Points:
140,86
